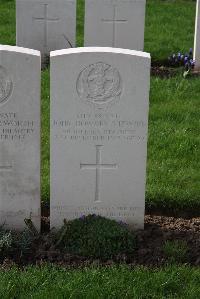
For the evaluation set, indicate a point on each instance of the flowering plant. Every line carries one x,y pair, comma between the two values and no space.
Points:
185,60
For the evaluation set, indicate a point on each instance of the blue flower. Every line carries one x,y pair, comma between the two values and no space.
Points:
180,59
192,62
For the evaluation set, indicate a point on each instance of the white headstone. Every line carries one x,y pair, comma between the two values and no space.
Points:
118,23
197,38
19,136
99,121
46,25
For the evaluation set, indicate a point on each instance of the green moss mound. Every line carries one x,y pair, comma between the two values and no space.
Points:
97,237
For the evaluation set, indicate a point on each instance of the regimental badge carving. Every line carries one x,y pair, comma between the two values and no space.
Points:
6,85
99,84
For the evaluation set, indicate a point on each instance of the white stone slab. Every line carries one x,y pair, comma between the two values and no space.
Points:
115,23
99,121
46,25
19,136
197,37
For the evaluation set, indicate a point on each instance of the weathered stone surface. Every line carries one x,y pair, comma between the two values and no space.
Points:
197,38
46,25
19,136
118,23
99,121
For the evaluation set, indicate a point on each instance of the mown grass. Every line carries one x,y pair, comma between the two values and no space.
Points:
174,144
169,27
92,283
7,22
173,148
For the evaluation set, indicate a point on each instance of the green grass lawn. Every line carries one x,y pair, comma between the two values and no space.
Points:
116,282
174,144
169,27
174,141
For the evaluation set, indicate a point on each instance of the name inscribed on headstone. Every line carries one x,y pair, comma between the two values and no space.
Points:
100,127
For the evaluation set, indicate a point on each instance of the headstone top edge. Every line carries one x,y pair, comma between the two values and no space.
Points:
20,50
100,50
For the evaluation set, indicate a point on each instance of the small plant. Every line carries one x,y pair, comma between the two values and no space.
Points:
11,241
186,60
5,240
175,251
23,241
97,237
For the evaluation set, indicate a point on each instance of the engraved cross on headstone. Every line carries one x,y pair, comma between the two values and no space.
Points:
114,20
45,21
98,166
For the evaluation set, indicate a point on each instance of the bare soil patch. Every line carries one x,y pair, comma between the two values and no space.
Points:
163,72
149,251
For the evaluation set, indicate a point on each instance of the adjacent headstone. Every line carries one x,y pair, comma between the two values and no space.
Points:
99,121
197,38
118,23
19,136
46,25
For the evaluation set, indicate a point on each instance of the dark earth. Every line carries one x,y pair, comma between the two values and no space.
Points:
166,72
149,251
